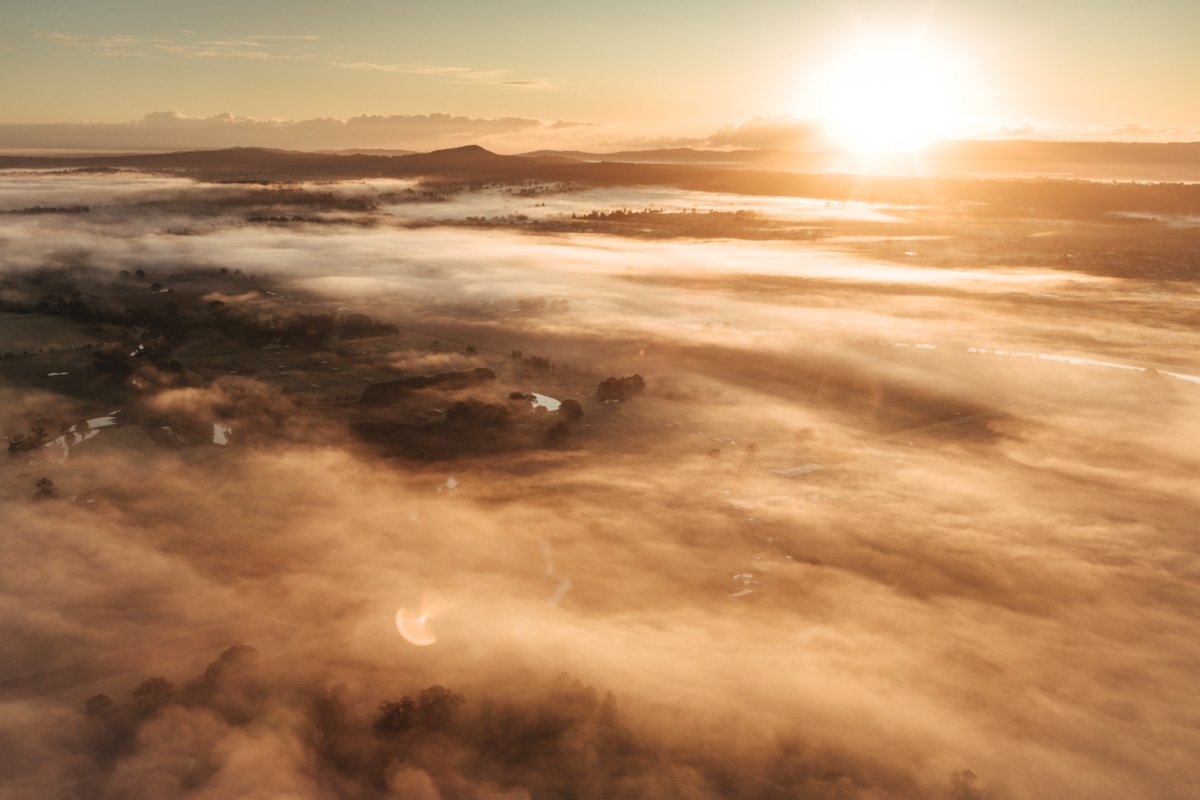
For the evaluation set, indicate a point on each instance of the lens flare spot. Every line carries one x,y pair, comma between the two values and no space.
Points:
414,627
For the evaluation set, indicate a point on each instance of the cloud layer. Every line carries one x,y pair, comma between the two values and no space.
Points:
173,131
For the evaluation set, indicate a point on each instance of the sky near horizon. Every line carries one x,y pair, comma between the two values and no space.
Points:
1069,68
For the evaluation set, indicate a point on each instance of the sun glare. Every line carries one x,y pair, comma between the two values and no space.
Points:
892,95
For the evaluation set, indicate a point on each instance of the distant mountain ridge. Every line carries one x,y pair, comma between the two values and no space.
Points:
1126,160
1179,160
367,151
1168,175
247,162
1044,151
683,155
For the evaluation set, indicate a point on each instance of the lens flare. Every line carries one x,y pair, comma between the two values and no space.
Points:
414,627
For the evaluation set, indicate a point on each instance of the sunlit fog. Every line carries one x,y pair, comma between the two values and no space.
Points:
868,524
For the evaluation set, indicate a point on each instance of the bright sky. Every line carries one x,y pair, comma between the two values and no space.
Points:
661,68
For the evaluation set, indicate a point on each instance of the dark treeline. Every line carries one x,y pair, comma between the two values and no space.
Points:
533,362
564,740
389,391
85,297
297,329
621,214
468,427
34,210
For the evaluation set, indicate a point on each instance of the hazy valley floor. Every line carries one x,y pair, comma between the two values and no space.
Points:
906,509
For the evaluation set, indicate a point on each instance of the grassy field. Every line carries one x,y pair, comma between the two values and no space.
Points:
25,334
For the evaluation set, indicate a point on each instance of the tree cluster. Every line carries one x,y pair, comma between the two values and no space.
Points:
475,414
297,330
434,709
537,363
28,442
563,740
612,390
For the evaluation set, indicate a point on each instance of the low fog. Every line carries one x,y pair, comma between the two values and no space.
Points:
876,528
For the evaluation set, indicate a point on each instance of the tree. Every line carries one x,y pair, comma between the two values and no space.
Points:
433,710
217,309
140,274
113,360
331,718
77,307
98,705
357,326
965,786
475,414
314,330
608,710
22,443
571,409
394,716
152,694
45,489
613,390
238,660
558,433
437,707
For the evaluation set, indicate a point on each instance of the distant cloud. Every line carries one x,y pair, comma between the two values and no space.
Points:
308,37
1023,130
759,133
465,73
259,47
1119,132
1139,131
270,47
495,77
530,84
563,124
170,130
784,133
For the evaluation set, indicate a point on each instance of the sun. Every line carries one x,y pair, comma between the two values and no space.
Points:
888,95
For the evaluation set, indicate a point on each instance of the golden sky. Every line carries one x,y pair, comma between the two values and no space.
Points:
641,72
